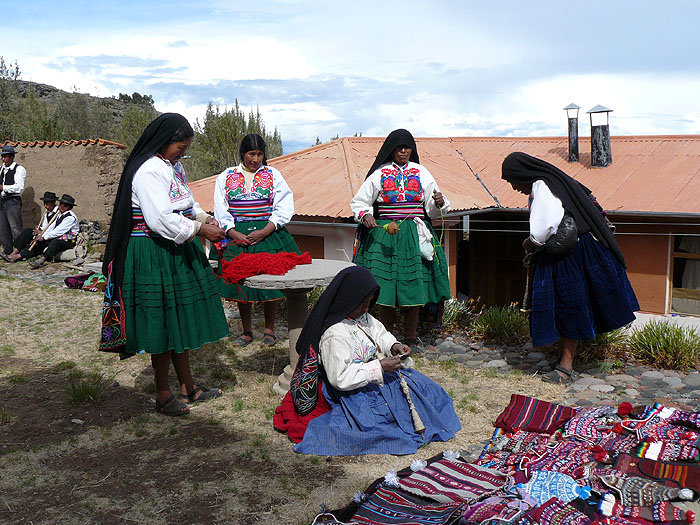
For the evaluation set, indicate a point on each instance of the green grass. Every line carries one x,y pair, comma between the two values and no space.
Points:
666,345
17,377
88,387
459,314
502,325
610,345
4,416
8,350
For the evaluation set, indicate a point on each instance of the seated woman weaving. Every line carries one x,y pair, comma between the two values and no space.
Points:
377,403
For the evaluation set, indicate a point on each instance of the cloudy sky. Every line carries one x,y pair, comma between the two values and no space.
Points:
321,68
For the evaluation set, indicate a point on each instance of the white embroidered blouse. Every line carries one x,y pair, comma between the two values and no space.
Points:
371,191
349,356
282,201
159,188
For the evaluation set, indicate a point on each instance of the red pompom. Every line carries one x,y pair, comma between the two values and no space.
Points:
690,516
617,428
624,409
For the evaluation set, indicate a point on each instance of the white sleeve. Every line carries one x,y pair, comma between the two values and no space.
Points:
429,187
151,188
18,186
67,224
221,213
336,353
283,201
363,201
381,335
546,212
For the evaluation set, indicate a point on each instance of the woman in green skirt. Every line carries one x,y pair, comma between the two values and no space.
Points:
162,297
409,264
253,203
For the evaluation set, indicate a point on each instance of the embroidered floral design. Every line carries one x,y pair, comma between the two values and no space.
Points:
179,189
401,184
261,187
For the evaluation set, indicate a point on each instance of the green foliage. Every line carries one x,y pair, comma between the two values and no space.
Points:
4,416
504,324
218,138
607,346
86,387
666,345
132,124
459,314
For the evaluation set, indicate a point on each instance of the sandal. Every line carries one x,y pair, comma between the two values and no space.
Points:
38,263
242,341
172,407
269,339
558,379
206,394
6,258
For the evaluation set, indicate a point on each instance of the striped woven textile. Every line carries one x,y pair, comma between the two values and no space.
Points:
389,506
139,228
533,415
400,210
250,210
447,480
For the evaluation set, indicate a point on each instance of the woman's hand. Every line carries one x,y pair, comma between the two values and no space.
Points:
211,220
401,350
438,198
390,364
368,221
211,232
240,238
258,235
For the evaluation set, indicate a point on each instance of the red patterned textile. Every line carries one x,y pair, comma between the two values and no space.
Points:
533,415
288,420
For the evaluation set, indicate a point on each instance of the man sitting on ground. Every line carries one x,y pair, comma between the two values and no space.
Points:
59,236
25,238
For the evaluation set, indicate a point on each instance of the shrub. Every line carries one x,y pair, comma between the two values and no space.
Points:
666,345
502,324
459,314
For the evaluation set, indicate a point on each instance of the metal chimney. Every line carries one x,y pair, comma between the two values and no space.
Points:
601,151
572,113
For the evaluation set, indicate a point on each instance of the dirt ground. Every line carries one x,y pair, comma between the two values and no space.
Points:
114,460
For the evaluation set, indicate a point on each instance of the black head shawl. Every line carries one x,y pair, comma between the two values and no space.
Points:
398,137
156,135
522,168
345,293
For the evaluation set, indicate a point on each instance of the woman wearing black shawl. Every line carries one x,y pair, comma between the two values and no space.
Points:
576,295
365,376
161,297
398,188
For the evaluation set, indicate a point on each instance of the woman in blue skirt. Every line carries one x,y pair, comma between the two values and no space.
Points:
578,294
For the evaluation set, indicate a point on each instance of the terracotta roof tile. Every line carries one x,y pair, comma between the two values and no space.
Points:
655,174
59,143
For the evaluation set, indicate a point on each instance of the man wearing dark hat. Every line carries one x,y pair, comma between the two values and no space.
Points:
12,177
59,236
25,238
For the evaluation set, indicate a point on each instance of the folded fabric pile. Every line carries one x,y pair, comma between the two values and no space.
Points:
550,464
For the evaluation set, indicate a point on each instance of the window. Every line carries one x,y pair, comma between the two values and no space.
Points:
685,295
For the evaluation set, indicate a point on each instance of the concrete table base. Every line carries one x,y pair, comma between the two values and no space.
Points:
295,284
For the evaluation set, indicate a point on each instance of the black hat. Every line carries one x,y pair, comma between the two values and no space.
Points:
7,150
67,199
49,196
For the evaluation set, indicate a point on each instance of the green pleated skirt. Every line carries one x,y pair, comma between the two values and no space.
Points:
278,241
404,277
171,297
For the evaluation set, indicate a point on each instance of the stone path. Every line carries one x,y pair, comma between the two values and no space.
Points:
640,385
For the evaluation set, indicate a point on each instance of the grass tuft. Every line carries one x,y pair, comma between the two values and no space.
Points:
87,387
502,325
666,345
459,314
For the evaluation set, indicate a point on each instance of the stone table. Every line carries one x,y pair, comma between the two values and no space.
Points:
295,284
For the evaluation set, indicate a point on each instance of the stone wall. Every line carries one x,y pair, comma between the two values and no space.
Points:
87,170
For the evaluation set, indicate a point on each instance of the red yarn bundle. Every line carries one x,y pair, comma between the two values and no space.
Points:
249,264
624,409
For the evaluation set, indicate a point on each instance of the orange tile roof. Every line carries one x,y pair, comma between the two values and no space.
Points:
654,174
59,143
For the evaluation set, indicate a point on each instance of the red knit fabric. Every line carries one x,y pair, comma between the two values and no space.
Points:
250,264
287,419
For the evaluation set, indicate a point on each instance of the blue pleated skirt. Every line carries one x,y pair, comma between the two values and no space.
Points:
377,419
579,295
